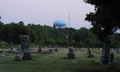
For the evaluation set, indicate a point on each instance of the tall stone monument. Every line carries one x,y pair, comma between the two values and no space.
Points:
27,52
105,52
19,48
23,40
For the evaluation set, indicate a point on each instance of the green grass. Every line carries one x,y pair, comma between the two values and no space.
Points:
56,62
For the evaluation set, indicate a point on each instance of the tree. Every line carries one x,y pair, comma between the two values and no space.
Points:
106,18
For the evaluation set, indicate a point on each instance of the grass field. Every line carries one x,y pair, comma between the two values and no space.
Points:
56,62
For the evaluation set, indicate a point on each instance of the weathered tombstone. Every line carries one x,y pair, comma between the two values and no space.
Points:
50,48
82,48
90,55
11,48
88,50
17,56
117,50
60,47
3,53
111,59
39,50
19,48
42,53
56,49
111,67
70,54
27,52
23,40
105,51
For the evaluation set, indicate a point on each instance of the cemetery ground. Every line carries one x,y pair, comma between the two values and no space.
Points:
56,62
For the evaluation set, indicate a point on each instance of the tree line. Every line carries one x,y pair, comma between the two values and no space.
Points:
46,35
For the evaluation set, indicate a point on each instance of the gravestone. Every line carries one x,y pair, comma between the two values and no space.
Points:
3,53
111,67
39,50
11,48
27,52
19,48
70,54
56,49
82,48
17,56
105,52
50,48
111,59
90,55
23,40
117,50
88,51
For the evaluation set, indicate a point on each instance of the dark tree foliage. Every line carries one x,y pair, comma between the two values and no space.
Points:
106,18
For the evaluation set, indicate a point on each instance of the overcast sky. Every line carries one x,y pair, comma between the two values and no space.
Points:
45,12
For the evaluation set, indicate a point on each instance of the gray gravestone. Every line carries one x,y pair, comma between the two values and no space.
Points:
90,55
111,59
3,53
70,54
111,67
105,52
19,48
39,50
11,48
27,52
117,50
17,56
23,40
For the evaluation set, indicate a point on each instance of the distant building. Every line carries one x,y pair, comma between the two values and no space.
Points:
59,24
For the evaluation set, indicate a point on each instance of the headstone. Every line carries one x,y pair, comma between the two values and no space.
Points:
90,55
42,53
17,56
111,67
117,50
88,50
50,48
70,54
3,53
11,48
23,40
111,59
56,49
106,51
39,50
19,48
82,48
27,52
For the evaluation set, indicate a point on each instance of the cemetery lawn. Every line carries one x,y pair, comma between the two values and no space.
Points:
56,62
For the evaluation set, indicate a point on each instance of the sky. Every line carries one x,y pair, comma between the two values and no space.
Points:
45,12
